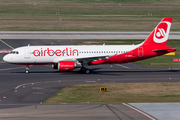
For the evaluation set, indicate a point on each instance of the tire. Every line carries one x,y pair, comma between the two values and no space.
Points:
83,69
27,71
87,71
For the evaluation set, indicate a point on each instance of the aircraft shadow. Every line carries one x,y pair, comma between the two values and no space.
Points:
99,71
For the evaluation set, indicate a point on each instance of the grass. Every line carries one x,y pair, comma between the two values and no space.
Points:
118,93
95,1
41,15
109,42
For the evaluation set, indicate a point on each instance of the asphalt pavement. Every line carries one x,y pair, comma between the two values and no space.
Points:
22,95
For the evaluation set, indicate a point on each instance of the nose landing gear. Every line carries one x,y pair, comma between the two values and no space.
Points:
27,69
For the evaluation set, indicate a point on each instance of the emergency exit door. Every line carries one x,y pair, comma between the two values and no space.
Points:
140,52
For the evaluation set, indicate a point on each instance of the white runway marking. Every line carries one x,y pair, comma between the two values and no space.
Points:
122,66
37,88
26,84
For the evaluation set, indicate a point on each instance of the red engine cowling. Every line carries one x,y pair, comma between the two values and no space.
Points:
66,65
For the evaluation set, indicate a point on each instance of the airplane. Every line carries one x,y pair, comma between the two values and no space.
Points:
69,57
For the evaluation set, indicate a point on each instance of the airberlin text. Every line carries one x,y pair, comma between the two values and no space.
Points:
57,52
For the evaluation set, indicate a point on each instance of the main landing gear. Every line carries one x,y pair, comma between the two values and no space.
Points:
27,69
85,70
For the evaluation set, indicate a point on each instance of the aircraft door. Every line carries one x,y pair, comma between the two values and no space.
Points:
140,52
26,53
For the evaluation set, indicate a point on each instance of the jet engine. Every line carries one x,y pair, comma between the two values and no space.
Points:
67,65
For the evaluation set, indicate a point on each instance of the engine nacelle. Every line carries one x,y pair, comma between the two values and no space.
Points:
67,65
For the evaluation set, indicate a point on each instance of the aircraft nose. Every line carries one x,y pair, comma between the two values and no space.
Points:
6,58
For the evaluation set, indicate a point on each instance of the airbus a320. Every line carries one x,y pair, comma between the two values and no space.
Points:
66,58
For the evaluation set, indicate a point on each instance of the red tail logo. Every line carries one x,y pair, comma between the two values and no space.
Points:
161,32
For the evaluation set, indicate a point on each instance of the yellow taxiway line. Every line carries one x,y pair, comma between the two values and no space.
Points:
12,68
6,44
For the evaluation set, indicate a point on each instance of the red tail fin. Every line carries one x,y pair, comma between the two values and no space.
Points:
159,35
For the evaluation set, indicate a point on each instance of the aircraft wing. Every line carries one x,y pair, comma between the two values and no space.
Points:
85,58
92,58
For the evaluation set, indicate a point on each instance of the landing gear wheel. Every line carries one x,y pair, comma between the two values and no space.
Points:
84,70
27,69
87,71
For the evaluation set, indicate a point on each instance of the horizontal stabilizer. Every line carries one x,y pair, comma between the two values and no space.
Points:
161,50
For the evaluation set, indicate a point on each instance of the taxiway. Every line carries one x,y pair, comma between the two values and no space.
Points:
22,95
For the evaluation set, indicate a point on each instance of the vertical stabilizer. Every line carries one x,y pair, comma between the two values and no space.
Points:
159,35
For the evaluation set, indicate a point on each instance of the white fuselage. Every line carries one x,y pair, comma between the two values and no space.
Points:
53,54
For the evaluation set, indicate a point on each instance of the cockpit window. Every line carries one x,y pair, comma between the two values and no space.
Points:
14,52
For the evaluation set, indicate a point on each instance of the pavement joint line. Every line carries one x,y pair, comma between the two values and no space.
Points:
6,44
38,93
90,81
122,66
140,111
47,65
